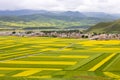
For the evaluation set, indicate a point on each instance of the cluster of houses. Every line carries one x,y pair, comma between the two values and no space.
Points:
106,37
62,35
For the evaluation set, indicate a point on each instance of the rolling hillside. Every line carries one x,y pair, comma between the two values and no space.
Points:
107,27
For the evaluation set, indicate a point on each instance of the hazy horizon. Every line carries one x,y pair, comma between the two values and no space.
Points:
106,6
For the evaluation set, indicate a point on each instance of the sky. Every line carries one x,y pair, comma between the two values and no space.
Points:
107,6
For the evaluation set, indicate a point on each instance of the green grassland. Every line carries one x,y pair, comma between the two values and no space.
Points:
44,58
106,27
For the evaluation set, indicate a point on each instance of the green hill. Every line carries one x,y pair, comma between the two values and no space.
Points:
107,27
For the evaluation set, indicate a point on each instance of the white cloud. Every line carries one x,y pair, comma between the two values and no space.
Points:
109,6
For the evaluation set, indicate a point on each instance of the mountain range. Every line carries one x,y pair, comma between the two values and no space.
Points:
53,19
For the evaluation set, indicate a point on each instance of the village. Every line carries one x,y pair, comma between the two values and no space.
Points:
62,34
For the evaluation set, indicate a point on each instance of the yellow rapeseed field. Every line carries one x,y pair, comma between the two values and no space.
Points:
28,57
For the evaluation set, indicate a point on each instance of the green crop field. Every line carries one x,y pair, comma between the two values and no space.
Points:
43,58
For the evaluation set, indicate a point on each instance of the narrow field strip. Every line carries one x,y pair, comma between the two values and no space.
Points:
106,49
72,56
8,68
93,42
11,46
62,56
112,75
26,73
8,41
45,76
42,62
4,45
44,56
14,54
50,49
2,75
22,48
102,62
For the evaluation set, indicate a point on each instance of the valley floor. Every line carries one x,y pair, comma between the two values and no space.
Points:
42,58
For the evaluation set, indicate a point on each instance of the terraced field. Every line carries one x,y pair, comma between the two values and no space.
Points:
36,58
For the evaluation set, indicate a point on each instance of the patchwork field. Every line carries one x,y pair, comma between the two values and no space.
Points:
42,58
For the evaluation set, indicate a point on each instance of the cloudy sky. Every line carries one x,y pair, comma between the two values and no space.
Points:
109,6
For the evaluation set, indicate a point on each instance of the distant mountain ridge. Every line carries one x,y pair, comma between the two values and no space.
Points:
20,12
57,19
